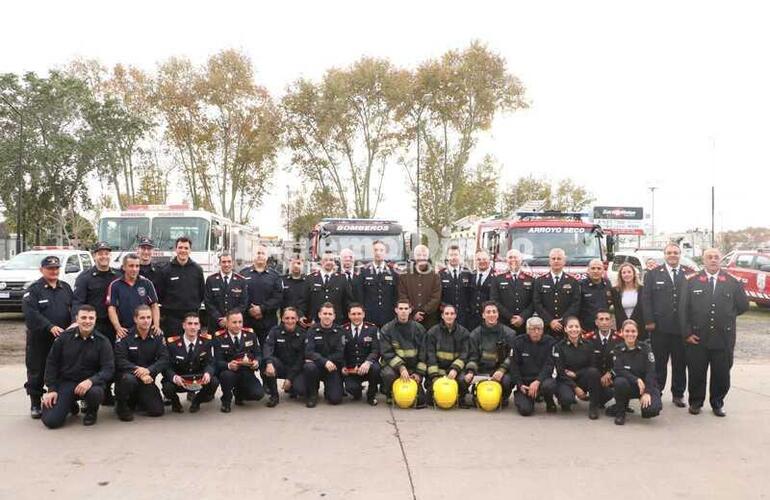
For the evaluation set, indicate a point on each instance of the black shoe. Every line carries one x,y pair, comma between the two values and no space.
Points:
566,408
35,410
225,407
629,409
89,418
125,416
272,402
611,410
356,397
371,399
678,402
109,399
190,396
176,406
195,407
620,418
389,400
506,402
311,402
694,410
420,405
238,402
75,408
719,412
550,408
166,402
593,413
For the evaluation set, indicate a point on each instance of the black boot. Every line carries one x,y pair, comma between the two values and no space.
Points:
125,413
35,410
620,417
272,401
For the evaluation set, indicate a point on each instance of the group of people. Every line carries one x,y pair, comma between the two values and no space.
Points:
546,339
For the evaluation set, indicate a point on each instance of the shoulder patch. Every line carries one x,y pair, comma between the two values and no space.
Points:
247,329
173,339
205,336
589,335
220,332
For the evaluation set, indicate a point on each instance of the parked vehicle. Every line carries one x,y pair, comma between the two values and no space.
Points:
638,258
752,267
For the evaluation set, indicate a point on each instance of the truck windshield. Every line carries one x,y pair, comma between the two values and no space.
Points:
122,232
580,244
165,231
361,244
24,261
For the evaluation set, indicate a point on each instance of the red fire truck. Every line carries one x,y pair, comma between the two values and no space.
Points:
357,235
752,267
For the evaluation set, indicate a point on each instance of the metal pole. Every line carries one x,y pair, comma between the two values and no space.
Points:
419,239
19,173
712,216
652,223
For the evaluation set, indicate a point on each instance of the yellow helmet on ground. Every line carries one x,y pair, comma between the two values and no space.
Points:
445,392
404,393
489,394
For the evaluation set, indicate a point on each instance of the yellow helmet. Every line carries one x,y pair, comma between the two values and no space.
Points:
445,392
489,394
404,393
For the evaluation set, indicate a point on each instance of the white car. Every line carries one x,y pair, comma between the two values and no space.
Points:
638,258
23,269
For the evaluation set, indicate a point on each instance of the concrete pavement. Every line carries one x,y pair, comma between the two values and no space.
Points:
355,451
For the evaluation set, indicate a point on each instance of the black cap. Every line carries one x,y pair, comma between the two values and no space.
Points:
50,261
145,241
102,245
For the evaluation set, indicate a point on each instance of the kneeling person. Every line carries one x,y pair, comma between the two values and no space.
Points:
490,348
635,376
139,358
237,354
448,350
190,359
531,366
78,366
402,344
284,354
362,355
324,357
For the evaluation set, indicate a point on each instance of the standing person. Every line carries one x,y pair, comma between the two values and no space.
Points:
264,289
482,280
326,285
556,295
664,288
284,357
456,285
421,287
78,365
127,293
512,292
447,347
46,305
627,298
181,287
139,358
237,353
146,267
402,345
91,288
595,294
294,283
634,368
324,358
712,301
531,365
378,287
362,355
348,269
225,290
190,357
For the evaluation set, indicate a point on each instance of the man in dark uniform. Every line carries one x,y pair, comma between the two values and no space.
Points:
661,298
139,358
146,267
456,285
294,286
602,341
402,345
324,286
712,301
180,288
447,349
46,306
190,359
91,288
362,355
482,284
512,292
531,365
225,290
556,295
127,293
421,287
237,353
378,287
324,358
284,357
595,294
78,365
348,271
264,288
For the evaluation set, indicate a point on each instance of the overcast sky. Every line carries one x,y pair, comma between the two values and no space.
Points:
624,96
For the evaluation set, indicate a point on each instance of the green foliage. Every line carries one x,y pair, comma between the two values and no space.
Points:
565,195
477,193
307,209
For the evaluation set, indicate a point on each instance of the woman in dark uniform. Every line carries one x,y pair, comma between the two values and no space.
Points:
634,369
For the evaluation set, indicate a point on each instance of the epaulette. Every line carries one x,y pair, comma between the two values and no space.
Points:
367,323
691,276
205,336
687,269
247,329
589,335
173,339
346,324
238,274
526,274
221,332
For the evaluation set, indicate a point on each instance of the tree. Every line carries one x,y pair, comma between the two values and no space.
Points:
565,196
343,130
309,208
477,193
453,100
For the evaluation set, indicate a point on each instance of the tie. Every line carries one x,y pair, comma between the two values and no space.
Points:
190,351
348,275
712,283
604,341
326,279
227,281
555,280
480,280
674,273
355,336
236,343
454,274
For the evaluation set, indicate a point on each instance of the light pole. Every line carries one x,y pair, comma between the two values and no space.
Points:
652,214
19,173
426,98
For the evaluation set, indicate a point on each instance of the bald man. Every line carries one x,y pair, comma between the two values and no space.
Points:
264,289
595,295
512,292
556,294
421,286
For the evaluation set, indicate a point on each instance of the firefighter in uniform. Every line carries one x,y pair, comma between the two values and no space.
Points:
324,286
180,288
602,341
284,356
556,294
225,290
324,358
661,298
265,292
456,286
91,288
595,294
447,348
634,370
531,366
237,354
362,355
128,292
190,358
378,287
146,267
421,287
348,271
46,306
140,357
294,286
402,346
482,284
512,292
490,348
712,301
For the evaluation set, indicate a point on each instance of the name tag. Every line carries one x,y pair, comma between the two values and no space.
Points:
247,277
445,281
503,283
567,287
319,338
44,301
660,282
626,367
215,289
524,354
249,343
318,285
556,355
587,294
225,346
388,278
174,278
281,341
180,357
697,292
133,348
369,278
546,287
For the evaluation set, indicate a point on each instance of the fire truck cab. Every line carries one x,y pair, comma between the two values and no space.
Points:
357,235
752,267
